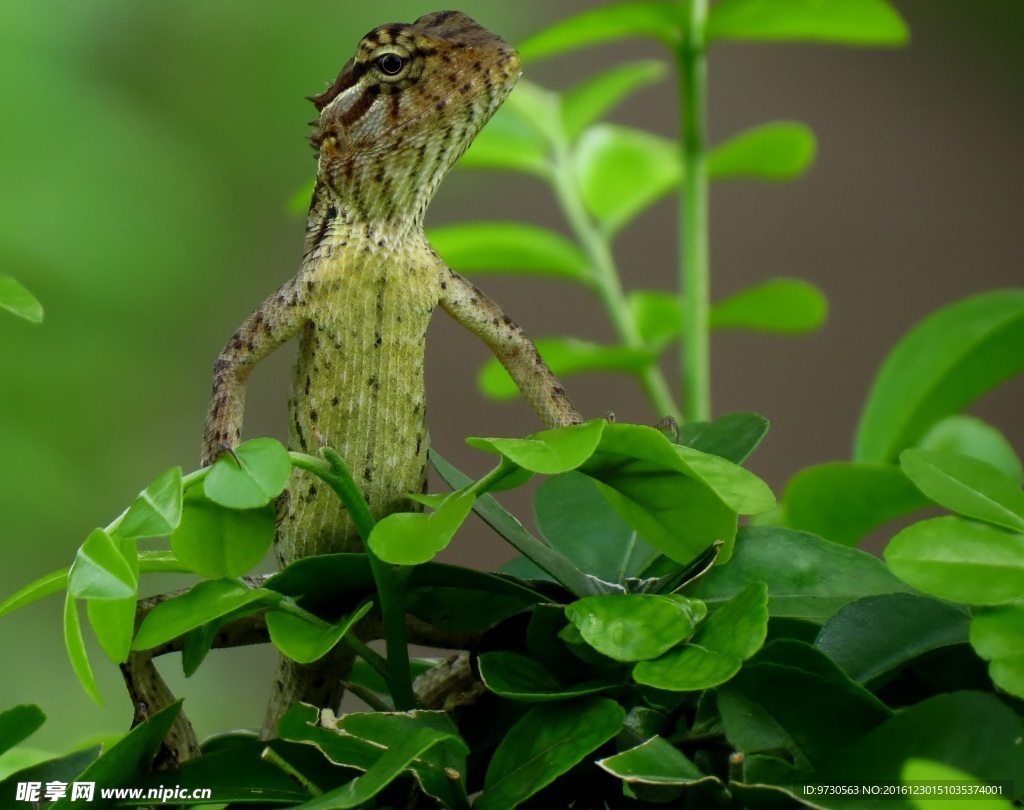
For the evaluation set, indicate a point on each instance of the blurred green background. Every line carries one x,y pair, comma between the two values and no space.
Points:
147,152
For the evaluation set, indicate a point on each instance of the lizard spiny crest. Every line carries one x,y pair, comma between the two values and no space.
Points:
404,109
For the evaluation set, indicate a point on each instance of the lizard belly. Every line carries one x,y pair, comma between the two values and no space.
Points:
358,387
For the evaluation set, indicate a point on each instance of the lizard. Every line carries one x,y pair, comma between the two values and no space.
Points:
393,123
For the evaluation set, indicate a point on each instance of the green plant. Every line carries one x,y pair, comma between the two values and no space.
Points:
647,650
15,298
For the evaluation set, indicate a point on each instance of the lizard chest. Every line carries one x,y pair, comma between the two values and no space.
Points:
361,352
358,386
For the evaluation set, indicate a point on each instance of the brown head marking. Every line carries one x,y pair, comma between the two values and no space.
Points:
404,109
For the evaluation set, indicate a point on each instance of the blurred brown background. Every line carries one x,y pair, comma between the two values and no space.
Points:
146,154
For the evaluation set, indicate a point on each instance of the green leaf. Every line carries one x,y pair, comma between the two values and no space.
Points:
737,628
670,577
18,723
232,769
545,743
301,724
305,642
160,562
113,623
517,677
322,582
942,365
622,171
127,761
215,541
918,771
100,570
551,451
781,150
77,653
797,654
966,485
654,490
197,645
509,142
811,715
844,501
205,602
157,510
53,582
15,298
577,520
740,489
878,635
658,317
970,436
634,627
465,601
808,578
727,637
513,532
781,305
842,22
687,669
565,357
997,635
256,474
972,731
593,98
605,24
60,769
298,203
515,247
540,107
732,437
427,743
959,560
411,538
654,762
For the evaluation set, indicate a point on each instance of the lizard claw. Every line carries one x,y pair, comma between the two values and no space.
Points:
218,450
227,449
669,426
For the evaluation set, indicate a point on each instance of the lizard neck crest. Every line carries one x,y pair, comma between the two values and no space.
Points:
401,112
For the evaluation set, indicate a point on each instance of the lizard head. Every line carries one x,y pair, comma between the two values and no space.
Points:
404,109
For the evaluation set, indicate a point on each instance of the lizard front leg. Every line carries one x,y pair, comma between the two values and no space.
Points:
516,352
277,320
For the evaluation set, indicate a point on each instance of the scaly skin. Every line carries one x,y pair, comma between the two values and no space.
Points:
367,286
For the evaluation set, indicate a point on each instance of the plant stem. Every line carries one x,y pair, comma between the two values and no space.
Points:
271,756
693,214
376,661
388,579
606,278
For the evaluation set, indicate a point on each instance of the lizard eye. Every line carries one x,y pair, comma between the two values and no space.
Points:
391,64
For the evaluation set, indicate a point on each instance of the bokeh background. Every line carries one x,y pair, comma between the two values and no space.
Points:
147,152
